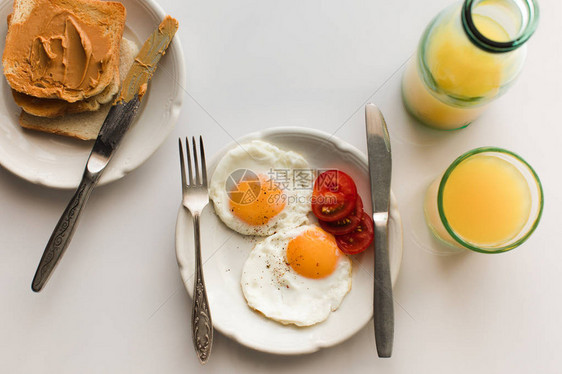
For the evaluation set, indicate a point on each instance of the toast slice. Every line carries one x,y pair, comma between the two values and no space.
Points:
56,107
64,49
84,125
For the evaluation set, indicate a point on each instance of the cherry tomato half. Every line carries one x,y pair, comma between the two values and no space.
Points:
359,239
334,195
346,224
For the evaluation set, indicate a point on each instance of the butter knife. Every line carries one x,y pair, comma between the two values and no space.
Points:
116,124
380,171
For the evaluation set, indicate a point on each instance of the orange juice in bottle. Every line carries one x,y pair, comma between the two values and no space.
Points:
469,54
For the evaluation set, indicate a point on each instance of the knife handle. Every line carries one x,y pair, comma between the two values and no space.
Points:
60,238
383,308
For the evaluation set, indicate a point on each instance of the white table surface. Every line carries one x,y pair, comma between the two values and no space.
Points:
116,303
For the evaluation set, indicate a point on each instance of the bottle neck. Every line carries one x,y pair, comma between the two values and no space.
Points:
519,16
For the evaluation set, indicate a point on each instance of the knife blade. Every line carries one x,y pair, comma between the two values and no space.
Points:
114,127
380,172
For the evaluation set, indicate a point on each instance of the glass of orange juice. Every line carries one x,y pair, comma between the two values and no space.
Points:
488,200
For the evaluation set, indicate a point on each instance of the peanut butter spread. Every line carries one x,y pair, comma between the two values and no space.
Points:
62,50
136,82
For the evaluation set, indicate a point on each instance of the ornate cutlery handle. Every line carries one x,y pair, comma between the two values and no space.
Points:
201,323
60,238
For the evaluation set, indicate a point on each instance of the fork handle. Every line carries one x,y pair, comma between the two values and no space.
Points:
60,238
201,324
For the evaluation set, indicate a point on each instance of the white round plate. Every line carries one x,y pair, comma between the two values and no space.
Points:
224,253
59,162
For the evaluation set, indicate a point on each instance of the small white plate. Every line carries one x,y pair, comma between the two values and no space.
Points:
224,253
59,162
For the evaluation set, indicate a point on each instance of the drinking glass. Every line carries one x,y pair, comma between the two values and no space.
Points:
435,208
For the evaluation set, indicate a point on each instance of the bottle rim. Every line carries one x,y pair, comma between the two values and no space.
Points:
489,45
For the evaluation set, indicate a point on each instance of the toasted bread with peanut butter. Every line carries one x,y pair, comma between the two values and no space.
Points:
84,125
56,107
63,49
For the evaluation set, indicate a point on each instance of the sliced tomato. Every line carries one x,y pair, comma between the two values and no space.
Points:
359,239
334,196
346,224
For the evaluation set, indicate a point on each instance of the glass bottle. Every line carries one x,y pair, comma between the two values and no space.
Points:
468,56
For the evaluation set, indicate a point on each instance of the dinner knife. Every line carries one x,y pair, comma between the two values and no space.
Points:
380,171
116,124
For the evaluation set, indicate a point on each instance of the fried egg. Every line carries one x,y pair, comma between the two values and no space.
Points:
259,189
298,276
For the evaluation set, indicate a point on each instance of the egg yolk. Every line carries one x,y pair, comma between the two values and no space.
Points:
259,201
313,254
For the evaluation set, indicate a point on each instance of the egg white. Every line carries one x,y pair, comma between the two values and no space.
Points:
273,288
261,158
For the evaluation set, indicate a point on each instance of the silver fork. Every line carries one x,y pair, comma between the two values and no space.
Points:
195,198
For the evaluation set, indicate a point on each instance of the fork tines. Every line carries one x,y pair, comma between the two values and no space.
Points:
200,176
